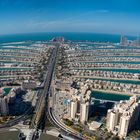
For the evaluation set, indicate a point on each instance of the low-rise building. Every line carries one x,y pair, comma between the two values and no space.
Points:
28,84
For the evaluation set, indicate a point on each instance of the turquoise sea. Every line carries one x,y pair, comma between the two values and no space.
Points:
68,36
7,90
17,68
109,96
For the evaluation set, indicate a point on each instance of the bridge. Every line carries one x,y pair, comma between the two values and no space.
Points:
102,100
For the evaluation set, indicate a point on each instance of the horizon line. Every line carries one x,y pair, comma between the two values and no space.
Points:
22,33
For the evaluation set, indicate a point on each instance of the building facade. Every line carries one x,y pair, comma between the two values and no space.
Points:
80,104
4,109
124,41
73,109
84,111
123,117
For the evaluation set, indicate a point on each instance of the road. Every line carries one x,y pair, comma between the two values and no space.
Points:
17,120
49,111
41,104
44,99
70,132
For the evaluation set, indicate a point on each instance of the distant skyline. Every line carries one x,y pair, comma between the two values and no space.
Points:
95,16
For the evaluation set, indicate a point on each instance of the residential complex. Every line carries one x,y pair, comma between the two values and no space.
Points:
123,117
28,84
80,104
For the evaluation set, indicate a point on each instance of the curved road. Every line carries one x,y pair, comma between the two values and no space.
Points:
49,111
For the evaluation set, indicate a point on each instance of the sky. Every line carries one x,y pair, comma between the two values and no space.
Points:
95,16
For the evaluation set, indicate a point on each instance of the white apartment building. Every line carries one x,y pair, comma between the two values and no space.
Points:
84,111
80,104
73,109
123,117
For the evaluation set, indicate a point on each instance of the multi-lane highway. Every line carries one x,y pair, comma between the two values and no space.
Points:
41,104
49,111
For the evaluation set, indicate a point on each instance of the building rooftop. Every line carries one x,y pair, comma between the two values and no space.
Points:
127,107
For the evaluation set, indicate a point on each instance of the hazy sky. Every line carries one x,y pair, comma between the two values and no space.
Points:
97,16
